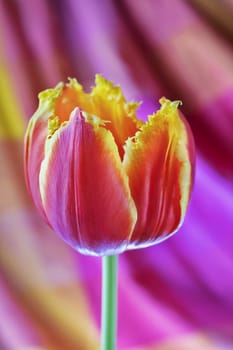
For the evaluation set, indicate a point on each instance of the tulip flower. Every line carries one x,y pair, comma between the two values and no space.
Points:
104,180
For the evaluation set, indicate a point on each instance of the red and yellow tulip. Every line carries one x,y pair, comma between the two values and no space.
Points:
104,180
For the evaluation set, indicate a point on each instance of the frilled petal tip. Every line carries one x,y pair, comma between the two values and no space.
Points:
159,162
106,101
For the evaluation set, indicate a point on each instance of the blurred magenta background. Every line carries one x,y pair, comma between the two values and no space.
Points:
173,296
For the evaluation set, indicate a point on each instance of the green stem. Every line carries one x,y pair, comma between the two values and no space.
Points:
109,302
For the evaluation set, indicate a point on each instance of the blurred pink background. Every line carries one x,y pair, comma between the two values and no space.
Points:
173,296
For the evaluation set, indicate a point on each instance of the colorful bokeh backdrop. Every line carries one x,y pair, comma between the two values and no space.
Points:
174,296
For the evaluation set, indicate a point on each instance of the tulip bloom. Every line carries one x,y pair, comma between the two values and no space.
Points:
104,180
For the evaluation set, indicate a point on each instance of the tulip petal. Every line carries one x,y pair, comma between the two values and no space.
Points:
84,189
36,134
158,164
105,101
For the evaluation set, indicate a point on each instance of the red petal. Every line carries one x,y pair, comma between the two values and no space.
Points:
85,190
159,165
34,154
34,143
